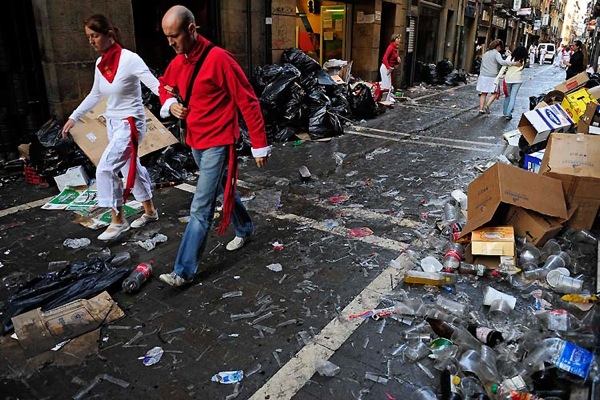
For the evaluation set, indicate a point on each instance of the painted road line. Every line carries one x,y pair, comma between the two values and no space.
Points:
27,206
420,142
421,106
389,244
446,139
294,375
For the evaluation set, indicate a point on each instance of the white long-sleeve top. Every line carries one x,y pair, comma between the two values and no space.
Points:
124,93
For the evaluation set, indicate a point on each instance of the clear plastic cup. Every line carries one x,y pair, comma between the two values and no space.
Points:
416,351
529,253
431,264
551,247
567,284
423,393
489,371
500,309
553,262
451,306
470,361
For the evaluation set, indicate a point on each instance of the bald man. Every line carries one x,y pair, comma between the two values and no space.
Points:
218,92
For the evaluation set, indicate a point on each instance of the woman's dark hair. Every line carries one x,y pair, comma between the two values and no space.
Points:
519,53
101,24
578,43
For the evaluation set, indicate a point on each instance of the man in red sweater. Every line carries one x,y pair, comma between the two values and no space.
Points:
219,90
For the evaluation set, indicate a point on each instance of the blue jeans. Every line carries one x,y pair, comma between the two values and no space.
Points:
509,102
211,183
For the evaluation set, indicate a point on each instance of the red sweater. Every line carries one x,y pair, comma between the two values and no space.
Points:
220,89
390,58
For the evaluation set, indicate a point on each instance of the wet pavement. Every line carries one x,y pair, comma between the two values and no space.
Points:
396,171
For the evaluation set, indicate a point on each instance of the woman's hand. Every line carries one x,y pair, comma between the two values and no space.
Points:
261,161
67,127
178,111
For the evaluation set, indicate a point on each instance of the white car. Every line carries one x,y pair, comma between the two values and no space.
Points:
550,51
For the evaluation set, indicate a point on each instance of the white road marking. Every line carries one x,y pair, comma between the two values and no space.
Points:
416,136
421,142
27,206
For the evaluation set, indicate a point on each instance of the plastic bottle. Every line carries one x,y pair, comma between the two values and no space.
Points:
485,335
478,270
450,211
430,278
138,276
454,254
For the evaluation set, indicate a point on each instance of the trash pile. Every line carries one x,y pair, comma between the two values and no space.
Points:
442,73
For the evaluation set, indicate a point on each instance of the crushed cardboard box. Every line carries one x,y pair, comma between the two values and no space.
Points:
537,124
576,103
589,122
490,194
39,331
73,177
90,134
571,85
575,161
532,161
534,227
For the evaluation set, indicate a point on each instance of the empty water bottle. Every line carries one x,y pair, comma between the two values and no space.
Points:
452,257
138,276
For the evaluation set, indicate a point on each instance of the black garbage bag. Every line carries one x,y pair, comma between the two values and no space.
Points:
300,60
262,76
535,100
173,165
294,110
593,81
361,102
442,69
278,91
455,78
285,134
49,153
323,123
324,79
81,280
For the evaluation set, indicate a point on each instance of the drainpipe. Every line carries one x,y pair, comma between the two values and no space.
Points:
249,35
268,33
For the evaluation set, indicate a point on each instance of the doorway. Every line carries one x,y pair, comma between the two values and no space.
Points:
388,16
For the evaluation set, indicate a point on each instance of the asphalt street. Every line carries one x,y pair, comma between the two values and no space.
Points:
389,174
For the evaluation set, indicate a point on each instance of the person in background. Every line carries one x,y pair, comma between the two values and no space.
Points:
117,75
577,61
507,53
542,52
390,60
513,79
532,53
558,56
490,65
219,92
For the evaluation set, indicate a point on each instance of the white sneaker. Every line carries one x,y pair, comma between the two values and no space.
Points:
144,219
174,280
114,230
236,244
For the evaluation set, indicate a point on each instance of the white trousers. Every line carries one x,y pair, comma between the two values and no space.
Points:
386,79
117,158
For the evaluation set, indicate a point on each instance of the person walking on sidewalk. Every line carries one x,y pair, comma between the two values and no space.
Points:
577,61
532,53
117,75
213,100
390,60
513,79
490,64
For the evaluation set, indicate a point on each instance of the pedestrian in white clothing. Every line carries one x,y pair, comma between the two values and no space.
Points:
117,75
532,53
542,55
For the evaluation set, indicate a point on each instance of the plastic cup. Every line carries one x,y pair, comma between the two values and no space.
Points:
489,371
552,277
490,294
529,253
528,266
423,393
567,284
416,351
470,361
554,262
451,306
551,247
431,264
499,309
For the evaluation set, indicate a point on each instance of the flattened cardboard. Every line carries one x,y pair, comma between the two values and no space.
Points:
571,85
534,227
575,161
39,331
537,124
73,177
90,134
589,122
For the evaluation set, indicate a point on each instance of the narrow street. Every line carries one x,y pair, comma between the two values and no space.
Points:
395,170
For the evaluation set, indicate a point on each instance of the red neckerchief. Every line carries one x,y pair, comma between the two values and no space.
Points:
229,191
110,62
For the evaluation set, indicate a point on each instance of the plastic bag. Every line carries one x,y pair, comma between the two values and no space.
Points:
361,102
277,92
300,60
81,280
262,76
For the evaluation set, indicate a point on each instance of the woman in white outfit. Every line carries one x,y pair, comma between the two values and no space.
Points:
532,53
117,75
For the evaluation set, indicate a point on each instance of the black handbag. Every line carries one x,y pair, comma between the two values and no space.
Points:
185,102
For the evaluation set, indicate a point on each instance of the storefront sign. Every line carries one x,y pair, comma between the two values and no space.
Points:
524,11
516,5
499,22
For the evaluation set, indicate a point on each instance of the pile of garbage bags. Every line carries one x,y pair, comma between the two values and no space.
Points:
299,96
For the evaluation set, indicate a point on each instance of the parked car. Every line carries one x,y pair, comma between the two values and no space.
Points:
550,51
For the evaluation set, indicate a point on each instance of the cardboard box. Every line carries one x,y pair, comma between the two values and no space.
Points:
74,177
574,83
39,331
576,103
575,161
90,134
589,122
533,226
493,246
533,161
537,124
501,185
